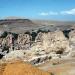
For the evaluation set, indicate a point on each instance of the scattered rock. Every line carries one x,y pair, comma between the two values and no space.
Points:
17,54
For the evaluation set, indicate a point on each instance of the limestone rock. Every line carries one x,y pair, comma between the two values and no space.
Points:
16,54
72,39
1,33
51,41
24,41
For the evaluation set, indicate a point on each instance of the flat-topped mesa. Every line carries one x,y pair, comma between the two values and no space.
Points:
17,21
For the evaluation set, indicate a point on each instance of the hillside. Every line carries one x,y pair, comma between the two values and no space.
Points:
16,25
19,25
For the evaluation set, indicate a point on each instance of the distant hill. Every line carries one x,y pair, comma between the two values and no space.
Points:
20,25
53,22
16,22
14,17
16,25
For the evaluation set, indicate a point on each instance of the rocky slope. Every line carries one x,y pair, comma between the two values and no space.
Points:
17,25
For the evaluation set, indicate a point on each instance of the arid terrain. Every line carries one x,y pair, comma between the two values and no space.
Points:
37,47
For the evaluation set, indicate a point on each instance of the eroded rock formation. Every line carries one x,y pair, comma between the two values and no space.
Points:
52,41
46,46
24,41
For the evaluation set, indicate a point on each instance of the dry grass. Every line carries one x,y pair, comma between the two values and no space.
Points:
20,68
2,67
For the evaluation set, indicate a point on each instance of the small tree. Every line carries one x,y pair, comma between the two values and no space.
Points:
4,34
34,34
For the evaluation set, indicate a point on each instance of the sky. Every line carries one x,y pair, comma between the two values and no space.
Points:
39,9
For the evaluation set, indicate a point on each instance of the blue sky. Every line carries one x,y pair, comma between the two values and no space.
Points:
39,9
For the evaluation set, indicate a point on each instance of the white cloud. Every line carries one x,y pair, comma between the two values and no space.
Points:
44,14
53,13
68,12
48,13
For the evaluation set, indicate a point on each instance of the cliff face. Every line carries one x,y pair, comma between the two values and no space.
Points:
52,41
46,46
24,41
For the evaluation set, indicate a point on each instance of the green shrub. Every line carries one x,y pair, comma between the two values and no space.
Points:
4,34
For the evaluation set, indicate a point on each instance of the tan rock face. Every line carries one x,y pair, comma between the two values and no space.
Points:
52,41
17,54
72,37
8,40
72,43
49,44
24,41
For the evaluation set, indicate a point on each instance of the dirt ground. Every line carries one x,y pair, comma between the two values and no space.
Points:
60,66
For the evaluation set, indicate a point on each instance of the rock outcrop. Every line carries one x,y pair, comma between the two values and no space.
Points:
51,42
72,38
47,45
24,41
72,43
17,54
1,33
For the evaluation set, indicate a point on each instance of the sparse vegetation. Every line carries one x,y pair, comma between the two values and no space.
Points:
33,34
4,34
15,36
55,63
59,52
66,33
27,32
